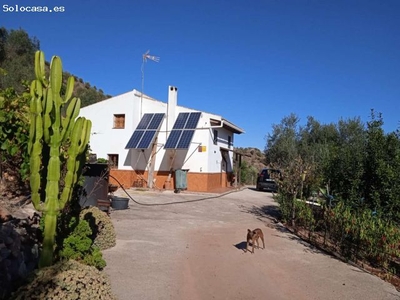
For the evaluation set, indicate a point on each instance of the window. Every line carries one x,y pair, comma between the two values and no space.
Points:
229,141
113,161
215,136
119,121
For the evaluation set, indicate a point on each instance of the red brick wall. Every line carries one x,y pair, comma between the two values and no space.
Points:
126,177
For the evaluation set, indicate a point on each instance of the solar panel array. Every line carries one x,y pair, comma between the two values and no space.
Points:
145,132
182,131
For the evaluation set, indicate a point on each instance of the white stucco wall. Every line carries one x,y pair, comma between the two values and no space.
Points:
104,139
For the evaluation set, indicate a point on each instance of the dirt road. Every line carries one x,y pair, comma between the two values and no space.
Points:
194,250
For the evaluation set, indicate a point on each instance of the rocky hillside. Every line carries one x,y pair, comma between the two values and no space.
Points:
253,160
253,157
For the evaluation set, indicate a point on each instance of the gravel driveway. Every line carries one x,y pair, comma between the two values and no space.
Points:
194,250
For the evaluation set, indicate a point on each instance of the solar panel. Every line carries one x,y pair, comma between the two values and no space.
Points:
134,140
145,121
182,131
192,121
156,121
181,121
146,140
173,139
186,138
145,132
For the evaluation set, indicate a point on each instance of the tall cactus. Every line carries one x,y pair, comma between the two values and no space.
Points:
51,134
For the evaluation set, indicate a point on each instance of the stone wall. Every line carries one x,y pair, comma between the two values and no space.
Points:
19,252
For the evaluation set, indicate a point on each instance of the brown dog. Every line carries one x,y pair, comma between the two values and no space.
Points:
253,236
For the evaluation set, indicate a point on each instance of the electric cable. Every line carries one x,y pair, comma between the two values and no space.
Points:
172,203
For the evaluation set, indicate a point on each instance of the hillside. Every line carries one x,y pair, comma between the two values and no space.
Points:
17,53
253,157
253,160
83,90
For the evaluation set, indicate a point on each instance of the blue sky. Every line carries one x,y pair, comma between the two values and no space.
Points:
253,62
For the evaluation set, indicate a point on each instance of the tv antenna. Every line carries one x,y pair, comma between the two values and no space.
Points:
145,57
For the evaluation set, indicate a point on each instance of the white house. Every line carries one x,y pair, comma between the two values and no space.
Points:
147,140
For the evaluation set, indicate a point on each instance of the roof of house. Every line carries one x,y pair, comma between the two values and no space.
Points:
232,127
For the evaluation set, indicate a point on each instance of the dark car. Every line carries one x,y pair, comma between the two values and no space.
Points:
266,180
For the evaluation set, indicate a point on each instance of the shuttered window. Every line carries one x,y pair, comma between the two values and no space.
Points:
119,121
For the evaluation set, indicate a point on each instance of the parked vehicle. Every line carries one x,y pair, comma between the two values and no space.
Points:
266,180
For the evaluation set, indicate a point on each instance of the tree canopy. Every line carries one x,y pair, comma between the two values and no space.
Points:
358,162
17,52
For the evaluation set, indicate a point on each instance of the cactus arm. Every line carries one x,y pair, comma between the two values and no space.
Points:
55,85
73,152
85,137
48,106
87,127
32,125
79,140
72,113
56,75
39,66
70,89
35,145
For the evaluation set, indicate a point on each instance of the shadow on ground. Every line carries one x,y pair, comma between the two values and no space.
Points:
241,246
260,191
267,211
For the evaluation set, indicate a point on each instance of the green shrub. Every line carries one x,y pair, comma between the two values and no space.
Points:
285,207
102,227
79,246
14,136
102,160
66,280
304,215
378,239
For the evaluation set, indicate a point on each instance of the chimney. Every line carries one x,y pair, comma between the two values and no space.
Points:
171,109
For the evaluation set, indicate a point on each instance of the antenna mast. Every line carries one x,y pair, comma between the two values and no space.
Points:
145,57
